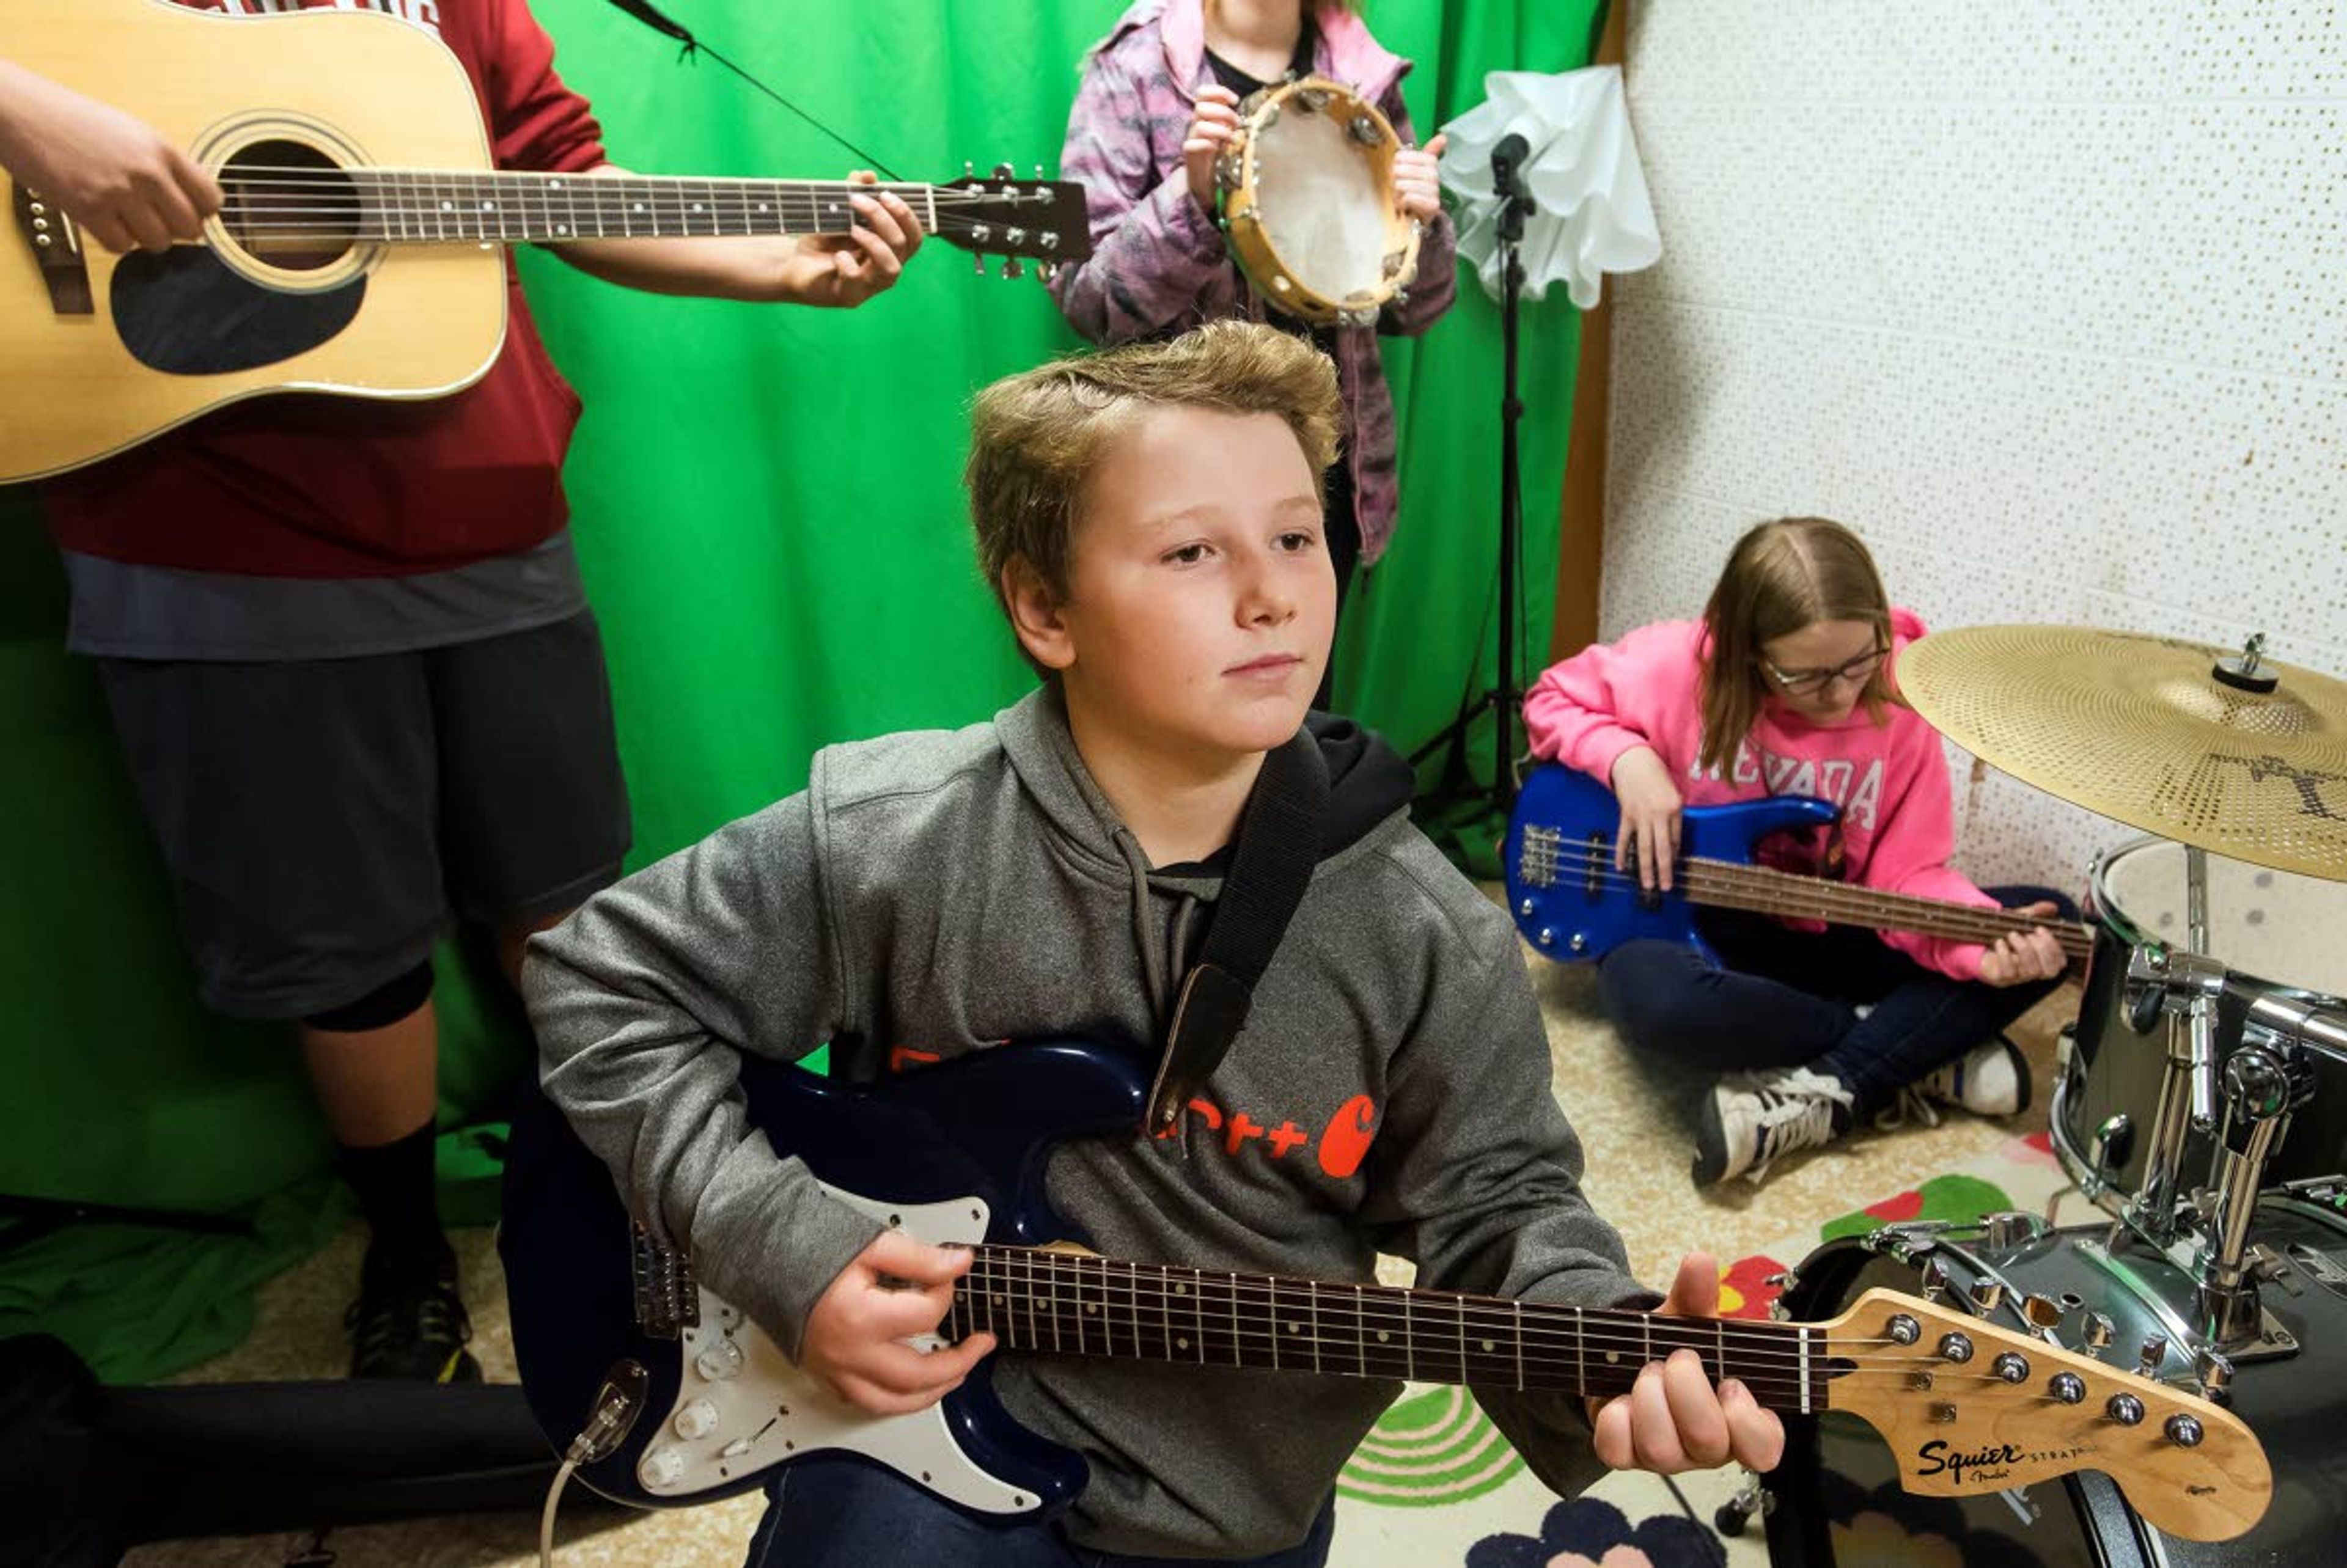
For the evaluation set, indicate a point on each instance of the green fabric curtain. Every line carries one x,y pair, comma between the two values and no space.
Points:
769,513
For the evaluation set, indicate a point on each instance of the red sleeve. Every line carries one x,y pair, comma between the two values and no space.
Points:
536,122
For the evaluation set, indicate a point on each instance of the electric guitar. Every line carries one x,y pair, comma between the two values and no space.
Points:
689,1401
1571,902
361,247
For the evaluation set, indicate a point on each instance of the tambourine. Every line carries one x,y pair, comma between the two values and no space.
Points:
1307,208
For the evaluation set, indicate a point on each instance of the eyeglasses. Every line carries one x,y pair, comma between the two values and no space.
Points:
1803,682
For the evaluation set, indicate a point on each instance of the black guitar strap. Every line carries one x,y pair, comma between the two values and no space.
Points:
1278,845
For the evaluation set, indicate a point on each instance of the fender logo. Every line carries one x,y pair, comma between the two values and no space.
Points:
1937,1458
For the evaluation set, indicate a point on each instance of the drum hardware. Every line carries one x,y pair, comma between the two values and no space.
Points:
1730,1517
2270,1341
2263,1087
1912,1239
2184,987
2215,1375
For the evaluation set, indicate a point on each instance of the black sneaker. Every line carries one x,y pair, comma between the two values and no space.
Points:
409,1322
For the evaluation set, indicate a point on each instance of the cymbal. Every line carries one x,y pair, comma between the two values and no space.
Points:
2142,728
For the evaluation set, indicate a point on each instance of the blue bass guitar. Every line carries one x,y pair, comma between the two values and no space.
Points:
1571,902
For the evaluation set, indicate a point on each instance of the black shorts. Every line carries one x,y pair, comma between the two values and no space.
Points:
323,819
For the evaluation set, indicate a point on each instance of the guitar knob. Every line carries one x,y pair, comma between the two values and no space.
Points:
2012,1367
1955,1347
697,1419
2068,1388
2124,1408
720,1362
2183,1431
661,1469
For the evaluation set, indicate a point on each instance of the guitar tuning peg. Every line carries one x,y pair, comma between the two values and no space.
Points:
1004,172
1039,174
978,265
968,170
1014,268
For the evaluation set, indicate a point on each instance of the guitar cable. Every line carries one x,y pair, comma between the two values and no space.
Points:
617,1404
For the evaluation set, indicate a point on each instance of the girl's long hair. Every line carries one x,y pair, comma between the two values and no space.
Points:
1781,576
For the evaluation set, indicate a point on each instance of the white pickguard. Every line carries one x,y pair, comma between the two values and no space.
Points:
741,1406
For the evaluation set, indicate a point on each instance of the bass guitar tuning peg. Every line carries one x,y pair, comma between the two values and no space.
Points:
1014,268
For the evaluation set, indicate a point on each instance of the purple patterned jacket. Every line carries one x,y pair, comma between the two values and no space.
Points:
1158,263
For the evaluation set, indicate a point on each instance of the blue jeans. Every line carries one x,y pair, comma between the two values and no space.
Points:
1782,998
838,1513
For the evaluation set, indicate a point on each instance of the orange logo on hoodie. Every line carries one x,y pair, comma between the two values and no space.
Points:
1346,1142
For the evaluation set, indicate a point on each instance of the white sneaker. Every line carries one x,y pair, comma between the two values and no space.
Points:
1749,1121
1992,1079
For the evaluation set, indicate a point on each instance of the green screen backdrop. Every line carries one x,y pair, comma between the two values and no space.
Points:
769,515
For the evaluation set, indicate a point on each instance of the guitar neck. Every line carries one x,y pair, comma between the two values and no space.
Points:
399,206
1731,884
1073,1304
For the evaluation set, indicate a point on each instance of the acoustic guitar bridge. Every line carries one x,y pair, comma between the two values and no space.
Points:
55,241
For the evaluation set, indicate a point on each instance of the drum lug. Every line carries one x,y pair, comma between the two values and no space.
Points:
2009,1229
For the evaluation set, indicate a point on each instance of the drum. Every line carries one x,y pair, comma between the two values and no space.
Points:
1308,203
1834,1502
2261,923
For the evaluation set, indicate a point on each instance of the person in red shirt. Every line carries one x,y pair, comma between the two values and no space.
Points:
346,647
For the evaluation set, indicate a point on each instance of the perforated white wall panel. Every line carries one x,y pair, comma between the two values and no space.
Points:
2048,300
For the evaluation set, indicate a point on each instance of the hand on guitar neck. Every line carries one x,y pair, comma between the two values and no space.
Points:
1674,1418
110,172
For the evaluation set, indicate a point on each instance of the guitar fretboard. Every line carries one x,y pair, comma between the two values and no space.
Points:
436,207
1073,1304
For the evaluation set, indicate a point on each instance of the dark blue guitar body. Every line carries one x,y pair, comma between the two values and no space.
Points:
978,1127
1563,890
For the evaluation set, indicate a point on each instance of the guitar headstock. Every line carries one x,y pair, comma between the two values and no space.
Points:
1968,1407
1001,215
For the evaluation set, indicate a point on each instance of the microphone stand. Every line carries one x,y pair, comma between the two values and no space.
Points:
1505,699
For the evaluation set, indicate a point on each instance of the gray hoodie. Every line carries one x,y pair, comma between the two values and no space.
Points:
944,892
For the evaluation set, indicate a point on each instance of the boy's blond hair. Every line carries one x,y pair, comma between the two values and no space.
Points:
1038,437
1781,576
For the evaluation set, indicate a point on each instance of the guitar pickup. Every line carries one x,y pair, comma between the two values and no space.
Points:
1595,864
55,243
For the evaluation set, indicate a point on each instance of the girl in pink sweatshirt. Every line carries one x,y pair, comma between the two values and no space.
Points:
1787,686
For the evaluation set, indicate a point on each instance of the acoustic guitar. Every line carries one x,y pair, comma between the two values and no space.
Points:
361,246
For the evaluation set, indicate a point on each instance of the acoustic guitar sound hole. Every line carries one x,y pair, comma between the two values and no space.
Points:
290,205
